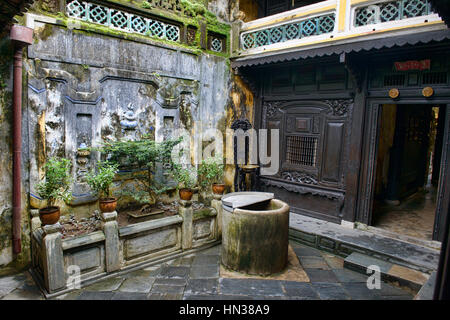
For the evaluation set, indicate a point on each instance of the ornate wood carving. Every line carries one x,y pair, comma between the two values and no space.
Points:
304,189
339,107
298,177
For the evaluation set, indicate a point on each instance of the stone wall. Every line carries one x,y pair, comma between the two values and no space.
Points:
83,86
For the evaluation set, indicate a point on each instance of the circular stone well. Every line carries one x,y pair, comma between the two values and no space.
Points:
255,231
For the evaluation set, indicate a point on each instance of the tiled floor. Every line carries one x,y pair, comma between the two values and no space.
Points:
414,217
197,277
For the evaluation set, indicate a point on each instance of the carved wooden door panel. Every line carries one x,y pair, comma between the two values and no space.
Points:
313,148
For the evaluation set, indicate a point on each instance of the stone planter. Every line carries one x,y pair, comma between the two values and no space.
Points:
60,265
255,236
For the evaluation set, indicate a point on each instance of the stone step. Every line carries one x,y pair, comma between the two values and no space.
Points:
427,290
390,272
344,241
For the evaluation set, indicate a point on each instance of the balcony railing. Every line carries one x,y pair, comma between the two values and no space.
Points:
289,31
390,11
121,20
331,21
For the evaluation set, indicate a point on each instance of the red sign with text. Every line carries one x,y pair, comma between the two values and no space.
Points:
412,65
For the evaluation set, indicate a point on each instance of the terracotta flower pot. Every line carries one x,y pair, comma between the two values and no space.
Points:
107,204
49,215
218,188
186,193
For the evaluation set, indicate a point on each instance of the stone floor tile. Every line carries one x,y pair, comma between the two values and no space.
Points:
161,288
201,260
396,297
73,295
268,297
345,275
204,272
183,261
319,275
304,251
137,284
106,285
174,272
298,289
410,275
129,296
359,291
211,251
12,281
19,294
330,291
216,297
170,282
333,261
164,296
390,290
250,287
5,290
95,295
201,286
314,263
144,273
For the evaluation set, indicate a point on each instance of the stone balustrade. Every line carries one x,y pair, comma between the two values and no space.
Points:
61,265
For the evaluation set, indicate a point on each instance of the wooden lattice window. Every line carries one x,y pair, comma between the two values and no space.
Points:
302,150
434,78
394,80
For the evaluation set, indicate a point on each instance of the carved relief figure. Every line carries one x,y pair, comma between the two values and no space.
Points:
129,122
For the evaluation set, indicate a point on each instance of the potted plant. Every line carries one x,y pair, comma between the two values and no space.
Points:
186,178
144,155
212,170
55,186
100,183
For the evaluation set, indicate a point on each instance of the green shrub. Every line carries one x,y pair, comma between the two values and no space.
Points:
101,181
211,171
56,185
143,154
186,177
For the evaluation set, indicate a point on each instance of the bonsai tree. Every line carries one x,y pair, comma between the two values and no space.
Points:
212,172
100,183
186,179
142,154
55,186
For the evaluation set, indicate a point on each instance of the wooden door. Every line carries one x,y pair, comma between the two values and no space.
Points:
409,151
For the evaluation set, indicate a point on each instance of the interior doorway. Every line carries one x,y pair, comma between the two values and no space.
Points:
408,168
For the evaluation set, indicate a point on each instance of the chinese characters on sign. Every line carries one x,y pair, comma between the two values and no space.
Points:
412,65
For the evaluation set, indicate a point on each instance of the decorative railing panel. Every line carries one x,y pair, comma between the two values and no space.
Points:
290,31
121,20
391,11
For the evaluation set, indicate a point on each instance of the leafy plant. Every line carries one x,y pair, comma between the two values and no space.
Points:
101,181
186,177
143,154
211,171
56,185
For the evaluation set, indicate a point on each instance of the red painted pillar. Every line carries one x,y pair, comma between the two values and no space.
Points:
21,37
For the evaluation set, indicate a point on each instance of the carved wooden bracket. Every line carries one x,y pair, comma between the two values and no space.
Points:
354,68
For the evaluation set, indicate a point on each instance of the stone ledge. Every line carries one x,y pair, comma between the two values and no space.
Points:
344,241
83,240
389,272
149,225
